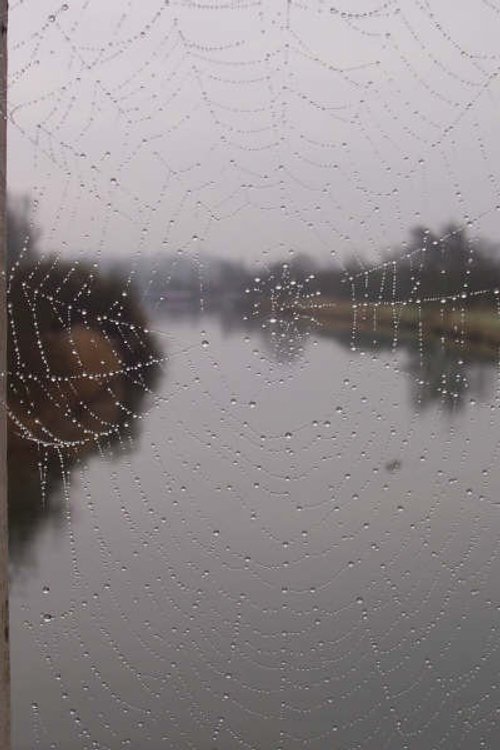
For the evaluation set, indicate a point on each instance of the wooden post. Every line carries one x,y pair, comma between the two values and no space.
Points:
4,570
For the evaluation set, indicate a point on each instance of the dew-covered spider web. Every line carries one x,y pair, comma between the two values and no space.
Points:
253,274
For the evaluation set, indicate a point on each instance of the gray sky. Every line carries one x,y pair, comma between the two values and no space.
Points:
253,129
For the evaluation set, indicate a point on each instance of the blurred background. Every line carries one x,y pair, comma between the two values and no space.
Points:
253,284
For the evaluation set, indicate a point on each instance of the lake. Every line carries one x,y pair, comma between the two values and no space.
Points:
298,549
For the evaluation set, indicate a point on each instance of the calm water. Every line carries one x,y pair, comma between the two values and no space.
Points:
300,550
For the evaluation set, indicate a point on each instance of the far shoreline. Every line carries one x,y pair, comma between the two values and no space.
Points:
475,330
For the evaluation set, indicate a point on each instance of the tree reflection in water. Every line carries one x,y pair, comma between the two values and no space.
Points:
39,473
450,377
441,371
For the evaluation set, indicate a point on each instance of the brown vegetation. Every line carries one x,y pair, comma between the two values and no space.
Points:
477,328
75,401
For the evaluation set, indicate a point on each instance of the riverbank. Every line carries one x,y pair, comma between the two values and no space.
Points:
476,329
80,357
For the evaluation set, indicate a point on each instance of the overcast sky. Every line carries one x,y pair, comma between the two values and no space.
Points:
253,129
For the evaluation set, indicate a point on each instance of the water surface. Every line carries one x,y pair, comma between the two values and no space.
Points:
299,549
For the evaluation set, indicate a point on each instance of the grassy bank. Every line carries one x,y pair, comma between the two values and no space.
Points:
476,329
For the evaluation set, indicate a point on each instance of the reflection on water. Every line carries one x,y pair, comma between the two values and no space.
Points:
438,371
102,414
39,481
449,377
267,560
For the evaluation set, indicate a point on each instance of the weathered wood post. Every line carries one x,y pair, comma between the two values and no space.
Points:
4,573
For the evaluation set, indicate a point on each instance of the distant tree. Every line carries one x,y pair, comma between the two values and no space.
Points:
301,265
432,265
22,234
421,238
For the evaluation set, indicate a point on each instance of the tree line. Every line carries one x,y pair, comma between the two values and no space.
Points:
425,265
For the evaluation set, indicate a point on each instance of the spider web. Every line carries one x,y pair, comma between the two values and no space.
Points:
253,374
